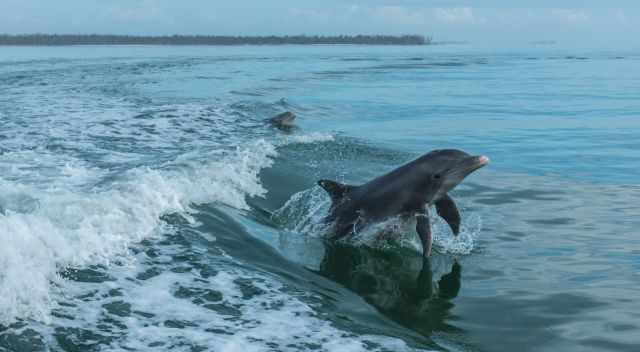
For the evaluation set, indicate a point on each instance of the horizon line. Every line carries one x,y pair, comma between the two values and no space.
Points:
203,39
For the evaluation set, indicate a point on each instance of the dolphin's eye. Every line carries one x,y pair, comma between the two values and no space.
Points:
436,176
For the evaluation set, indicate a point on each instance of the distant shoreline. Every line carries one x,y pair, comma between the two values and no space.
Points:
102,39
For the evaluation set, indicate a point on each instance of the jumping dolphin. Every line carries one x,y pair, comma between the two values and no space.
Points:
283,120
406,191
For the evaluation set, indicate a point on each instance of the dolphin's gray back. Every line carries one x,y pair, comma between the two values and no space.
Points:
392,193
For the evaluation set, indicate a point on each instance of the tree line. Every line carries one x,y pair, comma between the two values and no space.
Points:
101,39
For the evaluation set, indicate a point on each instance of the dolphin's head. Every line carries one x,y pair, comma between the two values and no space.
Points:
444,169
284,119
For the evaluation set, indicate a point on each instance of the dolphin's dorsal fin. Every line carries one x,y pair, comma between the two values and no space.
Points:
336,190
447,210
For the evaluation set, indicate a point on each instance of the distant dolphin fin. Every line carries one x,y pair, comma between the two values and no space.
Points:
448,210
336,190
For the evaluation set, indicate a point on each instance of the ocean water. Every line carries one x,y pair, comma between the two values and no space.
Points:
146,206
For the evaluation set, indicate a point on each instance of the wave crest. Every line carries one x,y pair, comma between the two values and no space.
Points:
72,228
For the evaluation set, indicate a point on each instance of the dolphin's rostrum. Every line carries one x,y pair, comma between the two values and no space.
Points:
406,191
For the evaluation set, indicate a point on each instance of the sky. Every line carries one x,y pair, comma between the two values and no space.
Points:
502,22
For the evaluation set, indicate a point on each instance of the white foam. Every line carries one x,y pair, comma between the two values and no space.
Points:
272,317
66,199
313,137
74,228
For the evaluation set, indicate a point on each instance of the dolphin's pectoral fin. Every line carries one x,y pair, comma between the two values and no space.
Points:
423,228
336,190
447,210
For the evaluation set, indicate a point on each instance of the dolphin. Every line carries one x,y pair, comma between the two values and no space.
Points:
406,191
283,121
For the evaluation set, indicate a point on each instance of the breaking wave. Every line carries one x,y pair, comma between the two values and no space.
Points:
46,230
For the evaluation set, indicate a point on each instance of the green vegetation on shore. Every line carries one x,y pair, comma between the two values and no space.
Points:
100,39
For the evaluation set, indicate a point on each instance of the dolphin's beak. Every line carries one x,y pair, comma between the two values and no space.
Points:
481,161
469,165
457,173
465,167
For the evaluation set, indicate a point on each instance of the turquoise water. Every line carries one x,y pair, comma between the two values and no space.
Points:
145,205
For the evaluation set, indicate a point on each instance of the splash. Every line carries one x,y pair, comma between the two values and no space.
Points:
304,213
465,242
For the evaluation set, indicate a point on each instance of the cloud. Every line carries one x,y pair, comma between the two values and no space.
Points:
572,16
399,15
456,15
590,22
621,17
310,14
147,10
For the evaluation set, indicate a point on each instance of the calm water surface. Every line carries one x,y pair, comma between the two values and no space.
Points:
145,205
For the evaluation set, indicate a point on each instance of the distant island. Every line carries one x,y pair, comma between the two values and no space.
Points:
102,39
